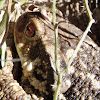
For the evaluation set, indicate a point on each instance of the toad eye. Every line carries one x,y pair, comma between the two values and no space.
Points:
30,30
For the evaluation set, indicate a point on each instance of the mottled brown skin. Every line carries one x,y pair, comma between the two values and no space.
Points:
82,77
39,54
10,88
34,52
80,82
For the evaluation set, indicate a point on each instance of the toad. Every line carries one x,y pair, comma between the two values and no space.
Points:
34,40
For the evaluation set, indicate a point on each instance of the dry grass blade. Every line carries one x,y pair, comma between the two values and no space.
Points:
3,54
1,3
5,23
23,1
5,32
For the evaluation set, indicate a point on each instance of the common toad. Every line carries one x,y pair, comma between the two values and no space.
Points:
34,39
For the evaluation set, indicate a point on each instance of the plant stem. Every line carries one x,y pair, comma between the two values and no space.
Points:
79,45
56,43
91,21
88,9
58,87
56,32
